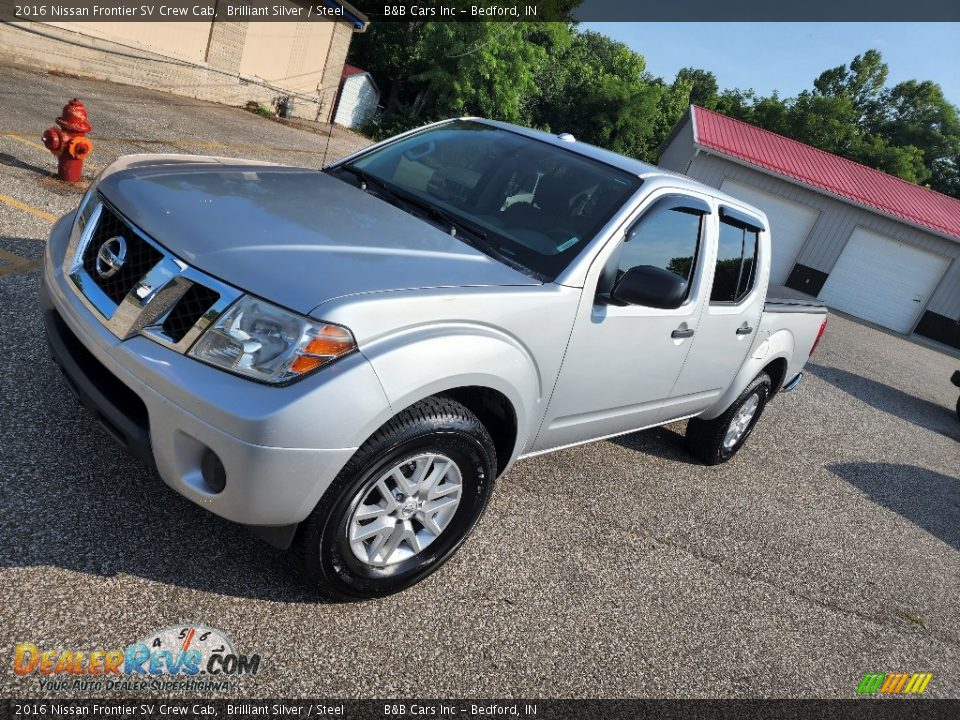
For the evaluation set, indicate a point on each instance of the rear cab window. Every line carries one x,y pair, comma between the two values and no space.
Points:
738,244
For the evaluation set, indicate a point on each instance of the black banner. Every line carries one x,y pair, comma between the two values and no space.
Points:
361,12
886,709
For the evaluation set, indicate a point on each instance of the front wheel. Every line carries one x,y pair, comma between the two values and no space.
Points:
403,504
716,441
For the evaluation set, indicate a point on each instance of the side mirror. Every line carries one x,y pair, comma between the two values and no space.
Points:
651,287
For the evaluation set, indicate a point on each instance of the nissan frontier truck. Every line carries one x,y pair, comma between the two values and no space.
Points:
345,360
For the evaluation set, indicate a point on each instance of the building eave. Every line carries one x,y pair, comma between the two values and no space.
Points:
356,18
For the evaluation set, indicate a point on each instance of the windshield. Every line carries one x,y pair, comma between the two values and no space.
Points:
530,204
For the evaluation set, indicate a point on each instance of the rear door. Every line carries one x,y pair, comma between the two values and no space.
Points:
731,318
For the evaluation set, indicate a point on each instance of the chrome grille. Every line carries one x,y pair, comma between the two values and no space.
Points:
140,256
153,293
190,308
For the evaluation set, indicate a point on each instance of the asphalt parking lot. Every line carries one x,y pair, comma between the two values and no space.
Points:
828,548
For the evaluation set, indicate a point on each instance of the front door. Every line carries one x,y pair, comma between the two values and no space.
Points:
623,360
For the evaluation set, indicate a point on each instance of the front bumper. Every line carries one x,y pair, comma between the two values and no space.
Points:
280,447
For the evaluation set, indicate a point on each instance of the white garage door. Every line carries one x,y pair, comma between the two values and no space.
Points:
790,223
882,280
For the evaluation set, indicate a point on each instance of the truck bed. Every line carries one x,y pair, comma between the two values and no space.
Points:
782,299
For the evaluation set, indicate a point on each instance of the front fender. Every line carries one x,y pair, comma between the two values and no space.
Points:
421,362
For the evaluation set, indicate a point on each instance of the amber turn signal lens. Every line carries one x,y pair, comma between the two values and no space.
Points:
306,363
331,342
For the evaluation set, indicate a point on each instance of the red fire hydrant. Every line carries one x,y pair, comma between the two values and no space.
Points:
68,143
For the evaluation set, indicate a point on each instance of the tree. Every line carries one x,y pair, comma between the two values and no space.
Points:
737,104
824,121
391,52
703,86
597,89
919,116
554,77
487,69
910,130
862,83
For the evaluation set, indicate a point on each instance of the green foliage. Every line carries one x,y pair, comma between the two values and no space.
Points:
261,110
595,88
554,77
704,89
910,130
487,69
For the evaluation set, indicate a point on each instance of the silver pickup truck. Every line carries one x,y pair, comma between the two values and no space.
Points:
345,360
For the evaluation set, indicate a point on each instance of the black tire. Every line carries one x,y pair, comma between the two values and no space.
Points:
705,437
322,547
958,408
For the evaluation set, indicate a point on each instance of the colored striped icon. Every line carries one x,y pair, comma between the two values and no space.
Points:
894,683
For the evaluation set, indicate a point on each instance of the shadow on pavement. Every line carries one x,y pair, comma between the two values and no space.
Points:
77,501
928,499
7,159
918,411
661,441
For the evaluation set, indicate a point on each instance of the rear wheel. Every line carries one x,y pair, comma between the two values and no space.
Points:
403,504
716,441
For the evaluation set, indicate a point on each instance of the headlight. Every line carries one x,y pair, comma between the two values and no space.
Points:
83,211
267,343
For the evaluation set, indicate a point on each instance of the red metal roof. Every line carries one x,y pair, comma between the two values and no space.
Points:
349,70
832,173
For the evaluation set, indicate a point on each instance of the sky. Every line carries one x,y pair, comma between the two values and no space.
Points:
789,56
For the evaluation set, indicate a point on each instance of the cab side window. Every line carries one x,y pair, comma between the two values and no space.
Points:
665,239
736,262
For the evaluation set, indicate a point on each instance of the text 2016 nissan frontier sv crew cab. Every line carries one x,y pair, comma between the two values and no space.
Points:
346,359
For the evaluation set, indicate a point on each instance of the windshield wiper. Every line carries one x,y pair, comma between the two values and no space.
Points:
366,180
455,224
462,229
476,237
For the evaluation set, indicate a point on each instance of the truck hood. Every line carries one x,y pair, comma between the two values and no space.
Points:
295,236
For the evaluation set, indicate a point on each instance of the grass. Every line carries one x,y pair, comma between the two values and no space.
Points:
261,110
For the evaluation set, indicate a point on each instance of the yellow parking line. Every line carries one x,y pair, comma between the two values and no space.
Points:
17,264
27,208
11,258
20,138
19,268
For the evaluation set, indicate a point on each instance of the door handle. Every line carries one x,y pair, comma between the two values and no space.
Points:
678,333
745,330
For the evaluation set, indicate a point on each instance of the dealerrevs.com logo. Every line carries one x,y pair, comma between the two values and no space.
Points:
182,657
